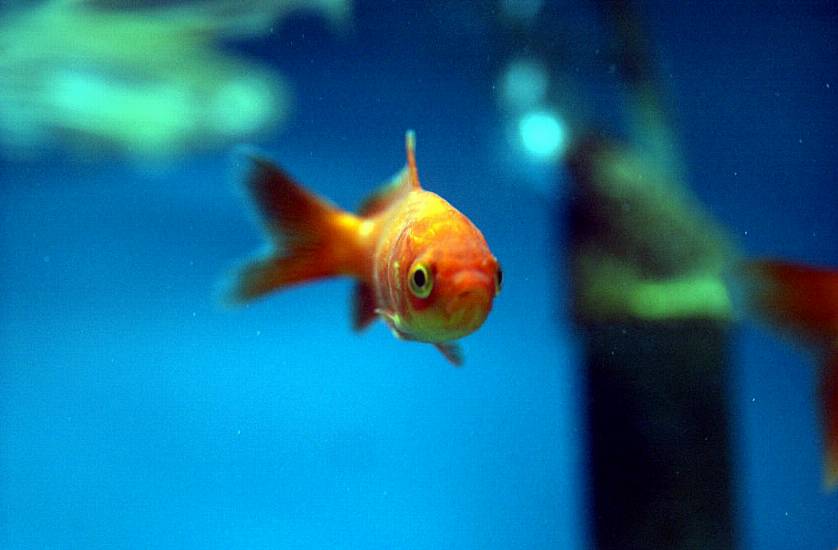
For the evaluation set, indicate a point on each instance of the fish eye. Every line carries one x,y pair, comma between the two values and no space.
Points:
498,280
421,281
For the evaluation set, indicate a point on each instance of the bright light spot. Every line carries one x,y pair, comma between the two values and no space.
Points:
524,84
543,133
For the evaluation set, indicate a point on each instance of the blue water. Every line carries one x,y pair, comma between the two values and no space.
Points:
136,412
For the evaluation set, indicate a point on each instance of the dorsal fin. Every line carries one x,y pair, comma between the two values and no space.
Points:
412,172
400,184
385,195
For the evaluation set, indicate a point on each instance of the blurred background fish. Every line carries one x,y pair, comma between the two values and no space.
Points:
804,300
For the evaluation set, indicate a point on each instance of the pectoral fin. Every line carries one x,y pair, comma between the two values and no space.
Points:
363,306
451,350
394,323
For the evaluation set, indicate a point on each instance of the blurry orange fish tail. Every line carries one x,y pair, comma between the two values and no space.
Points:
804,300
305,229
829,391
798,297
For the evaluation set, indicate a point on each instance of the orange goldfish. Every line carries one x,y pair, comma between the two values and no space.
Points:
804,300
420,265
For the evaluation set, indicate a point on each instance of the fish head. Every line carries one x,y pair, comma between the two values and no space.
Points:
450,279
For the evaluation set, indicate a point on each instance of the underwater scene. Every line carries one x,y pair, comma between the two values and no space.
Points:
421,275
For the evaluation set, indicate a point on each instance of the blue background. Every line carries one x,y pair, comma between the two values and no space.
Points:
137,412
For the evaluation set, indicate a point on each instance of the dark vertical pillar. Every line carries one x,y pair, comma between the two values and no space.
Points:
652,309
660,462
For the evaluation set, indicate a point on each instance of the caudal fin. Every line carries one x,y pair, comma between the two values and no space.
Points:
804,301
307,234
801,298
829,391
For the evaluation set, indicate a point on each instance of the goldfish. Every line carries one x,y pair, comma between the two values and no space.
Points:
804,301
419,264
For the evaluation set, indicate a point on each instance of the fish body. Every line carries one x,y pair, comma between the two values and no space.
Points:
804,301
420,264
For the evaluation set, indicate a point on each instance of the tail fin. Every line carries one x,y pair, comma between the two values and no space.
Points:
797,297
310,236
829,391
804,300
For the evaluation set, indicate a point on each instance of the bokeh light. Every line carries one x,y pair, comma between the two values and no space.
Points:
524,84
543,134
521,10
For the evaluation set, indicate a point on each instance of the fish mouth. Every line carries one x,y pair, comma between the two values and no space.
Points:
468,309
